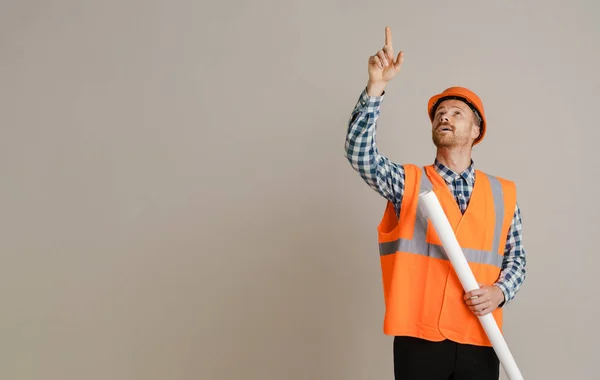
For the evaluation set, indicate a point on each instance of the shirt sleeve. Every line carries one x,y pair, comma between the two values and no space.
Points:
382,175
514,263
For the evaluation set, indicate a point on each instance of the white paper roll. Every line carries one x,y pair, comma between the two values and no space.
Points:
442,226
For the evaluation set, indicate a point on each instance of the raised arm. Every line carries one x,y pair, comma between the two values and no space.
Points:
384,176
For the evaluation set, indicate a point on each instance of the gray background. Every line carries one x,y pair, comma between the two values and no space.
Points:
175,201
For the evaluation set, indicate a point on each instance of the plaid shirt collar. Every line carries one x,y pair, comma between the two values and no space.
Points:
450,176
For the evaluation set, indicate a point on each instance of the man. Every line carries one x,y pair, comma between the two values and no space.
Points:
437,335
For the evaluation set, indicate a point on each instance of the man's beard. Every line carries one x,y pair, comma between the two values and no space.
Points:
440,139
443,141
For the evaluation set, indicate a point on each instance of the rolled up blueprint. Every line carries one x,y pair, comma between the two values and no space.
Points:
436,214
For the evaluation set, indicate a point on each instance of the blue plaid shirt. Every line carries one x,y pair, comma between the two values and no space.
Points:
387,178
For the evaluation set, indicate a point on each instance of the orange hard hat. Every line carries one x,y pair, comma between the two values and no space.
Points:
465,95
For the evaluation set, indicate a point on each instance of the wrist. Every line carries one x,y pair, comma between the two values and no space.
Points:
376,88
501,294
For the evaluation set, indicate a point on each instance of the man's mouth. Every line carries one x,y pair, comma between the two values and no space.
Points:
445,128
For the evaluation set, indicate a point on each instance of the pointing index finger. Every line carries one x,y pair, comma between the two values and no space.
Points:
388,36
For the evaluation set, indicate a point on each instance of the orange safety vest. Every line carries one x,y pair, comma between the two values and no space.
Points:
423,295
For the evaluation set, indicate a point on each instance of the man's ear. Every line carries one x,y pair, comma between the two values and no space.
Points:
476,131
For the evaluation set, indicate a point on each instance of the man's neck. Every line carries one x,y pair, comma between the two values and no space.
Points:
456,159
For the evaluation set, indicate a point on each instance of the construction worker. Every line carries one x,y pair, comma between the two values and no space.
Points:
437,335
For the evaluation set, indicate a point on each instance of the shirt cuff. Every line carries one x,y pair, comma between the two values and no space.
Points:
505,292
369,103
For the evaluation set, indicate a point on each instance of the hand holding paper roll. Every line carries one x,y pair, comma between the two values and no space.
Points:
484,300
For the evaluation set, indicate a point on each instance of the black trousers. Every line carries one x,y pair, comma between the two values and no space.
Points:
418,359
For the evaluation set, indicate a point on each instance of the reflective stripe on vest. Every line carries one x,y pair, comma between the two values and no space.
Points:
418,244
